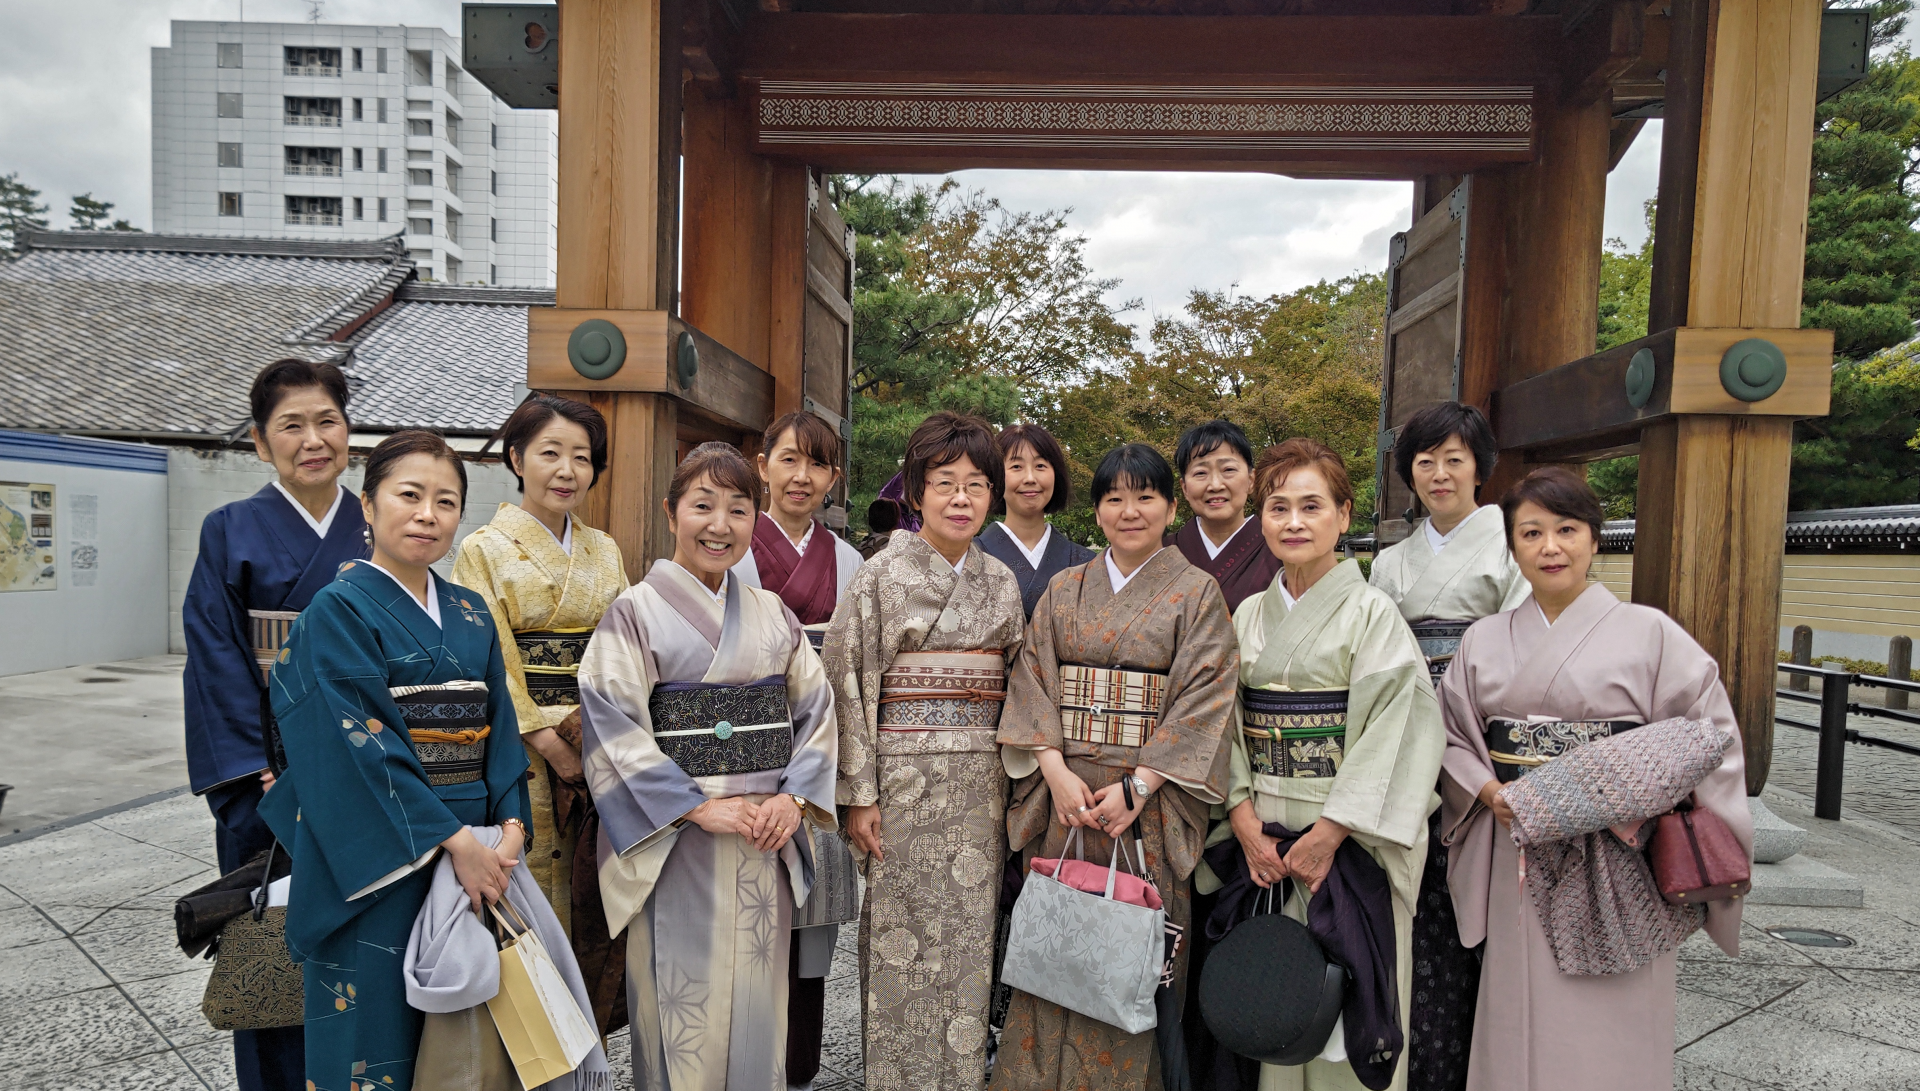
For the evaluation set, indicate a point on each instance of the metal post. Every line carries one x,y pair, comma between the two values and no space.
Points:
1899,666
1830,774
1803,655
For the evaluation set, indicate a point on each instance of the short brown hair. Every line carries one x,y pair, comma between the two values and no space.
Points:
723,464
411,441
534,414
1560,491
814,437
1015,436
943,439
1281,459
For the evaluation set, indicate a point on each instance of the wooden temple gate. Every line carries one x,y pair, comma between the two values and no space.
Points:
718,117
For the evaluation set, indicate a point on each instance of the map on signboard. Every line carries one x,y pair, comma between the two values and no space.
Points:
26,537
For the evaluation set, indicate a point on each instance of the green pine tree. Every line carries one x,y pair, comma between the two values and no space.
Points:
19,209
87,213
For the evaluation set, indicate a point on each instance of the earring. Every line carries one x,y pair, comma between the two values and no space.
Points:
366,533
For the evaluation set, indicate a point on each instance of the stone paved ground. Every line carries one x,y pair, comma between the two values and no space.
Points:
1879,783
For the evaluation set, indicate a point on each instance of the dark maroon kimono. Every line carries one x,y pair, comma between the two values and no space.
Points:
808,583
1244,569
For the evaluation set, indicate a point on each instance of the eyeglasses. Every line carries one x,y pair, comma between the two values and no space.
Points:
976,490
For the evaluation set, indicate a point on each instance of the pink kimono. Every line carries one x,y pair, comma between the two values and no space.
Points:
1535,1028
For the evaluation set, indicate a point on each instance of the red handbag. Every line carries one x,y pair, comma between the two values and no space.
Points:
1696,859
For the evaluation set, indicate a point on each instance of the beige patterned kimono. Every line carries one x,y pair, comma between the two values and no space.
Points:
926,930
1171,619
530,584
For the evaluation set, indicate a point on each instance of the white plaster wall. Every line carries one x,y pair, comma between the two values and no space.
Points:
200,481
123,615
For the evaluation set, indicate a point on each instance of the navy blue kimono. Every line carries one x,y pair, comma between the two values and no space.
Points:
1062,553
358,810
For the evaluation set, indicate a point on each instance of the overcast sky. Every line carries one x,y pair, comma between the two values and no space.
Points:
75,79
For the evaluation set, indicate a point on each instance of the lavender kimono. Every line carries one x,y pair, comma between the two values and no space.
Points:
707,915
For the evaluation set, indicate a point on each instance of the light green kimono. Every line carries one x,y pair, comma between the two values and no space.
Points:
1471,577
1343,634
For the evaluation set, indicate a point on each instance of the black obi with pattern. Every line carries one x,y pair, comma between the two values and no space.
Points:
1295,733
551,659
1519,746
1439,640
710,729
447,724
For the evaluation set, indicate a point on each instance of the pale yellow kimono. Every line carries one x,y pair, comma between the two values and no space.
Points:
1471,577
531,584
1343,634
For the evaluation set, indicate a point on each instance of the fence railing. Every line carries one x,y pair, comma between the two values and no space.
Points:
314,121
320,170
314,219
324,70
1836,701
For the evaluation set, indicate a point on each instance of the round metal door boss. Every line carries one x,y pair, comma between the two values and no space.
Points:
1640,378
686,360
596,348
1753,369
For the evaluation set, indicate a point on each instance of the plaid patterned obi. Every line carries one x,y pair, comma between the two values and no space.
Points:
1109,707
1518,746
1438,641
448,726
816,635
709,729
552,661
269,629
943,691
1295,733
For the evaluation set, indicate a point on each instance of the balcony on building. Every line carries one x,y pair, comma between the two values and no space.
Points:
306,60
319,113
313,162
313,211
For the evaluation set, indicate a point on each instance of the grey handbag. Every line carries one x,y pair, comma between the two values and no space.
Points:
1087,952
835,898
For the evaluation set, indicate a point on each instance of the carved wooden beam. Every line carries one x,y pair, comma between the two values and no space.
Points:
647,352
1596,407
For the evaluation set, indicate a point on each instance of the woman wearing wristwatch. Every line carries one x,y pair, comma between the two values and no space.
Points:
1127,674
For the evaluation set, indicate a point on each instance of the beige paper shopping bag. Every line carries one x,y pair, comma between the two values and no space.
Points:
545,1031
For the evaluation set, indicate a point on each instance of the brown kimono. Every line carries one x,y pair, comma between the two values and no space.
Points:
1170,618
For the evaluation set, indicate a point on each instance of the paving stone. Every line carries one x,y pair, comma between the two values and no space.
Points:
213,1062
146,1073
10,900
1802,880
1746,985
1887,1015
170,824
1692,1076
22,926
135,944
90,866
172,1004
1697,1015
42,971
1773,1049
1882,941
80,1029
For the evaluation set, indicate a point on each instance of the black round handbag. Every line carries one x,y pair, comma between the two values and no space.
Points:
1269,991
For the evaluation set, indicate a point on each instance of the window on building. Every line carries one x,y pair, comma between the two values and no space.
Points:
358,66
493,184
313,211
420,73
359,109
383,111
416,205
493,274
314,162
359,159
419,225
418,177
229,154
493,230
383,163
228,54
494,139
452,78
229,204
380,59
359,203
453,224
307,60
383,200
453,176
228,104
420,126
313,112
453,127
453,269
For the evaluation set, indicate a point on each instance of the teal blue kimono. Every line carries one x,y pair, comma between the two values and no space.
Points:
357,809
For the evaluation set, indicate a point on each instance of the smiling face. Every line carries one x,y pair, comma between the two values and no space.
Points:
797,485
556,466
414,512
1029,482
1554,552
712,527
1216,485
305,438
954,505
1301,521
1134,517
1444,478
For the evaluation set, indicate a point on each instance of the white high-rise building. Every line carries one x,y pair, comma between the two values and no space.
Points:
322,131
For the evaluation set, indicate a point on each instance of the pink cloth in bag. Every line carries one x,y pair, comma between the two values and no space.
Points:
1092,878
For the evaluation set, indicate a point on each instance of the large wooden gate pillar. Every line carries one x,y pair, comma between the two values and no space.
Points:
1729,251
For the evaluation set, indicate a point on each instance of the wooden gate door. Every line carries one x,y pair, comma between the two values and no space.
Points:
1426,266
826,361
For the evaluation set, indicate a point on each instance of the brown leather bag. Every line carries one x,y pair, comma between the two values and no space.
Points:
1696,858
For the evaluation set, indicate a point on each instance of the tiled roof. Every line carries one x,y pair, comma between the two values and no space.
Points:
1893,529
158,335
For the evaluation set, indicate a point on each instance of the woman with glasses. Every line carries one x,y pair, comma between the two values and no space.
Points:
917,653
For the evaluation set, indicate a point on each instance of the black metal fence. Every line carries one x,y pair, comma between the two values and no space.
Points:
1836,701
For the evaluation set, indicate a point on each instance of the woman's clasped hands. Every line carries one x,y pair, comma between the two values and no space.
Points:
769,824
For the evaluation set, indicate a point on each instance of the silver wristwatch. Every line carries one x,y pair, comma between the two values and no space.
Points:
1140,788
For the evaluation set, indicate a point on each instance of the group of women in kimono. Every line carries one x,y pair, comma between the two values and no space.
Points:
970,694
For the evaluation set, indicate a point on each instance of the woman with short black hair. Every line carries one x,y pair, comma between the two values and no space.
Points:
1038,484
1116,721
1216,473
917,654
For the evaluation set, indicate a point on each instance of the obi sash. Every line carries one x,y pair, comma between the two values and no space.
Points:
816,636
1295,733
267,630
551,658
1438,641
943,691
448,725
1108,706
1518,746
711,729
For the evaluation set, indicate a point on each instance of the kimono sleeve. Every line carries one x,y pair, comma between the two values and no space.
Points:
1384,789
850,659
363,799
221,682
810,773
1030,722
506,768
473,568
1201,706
